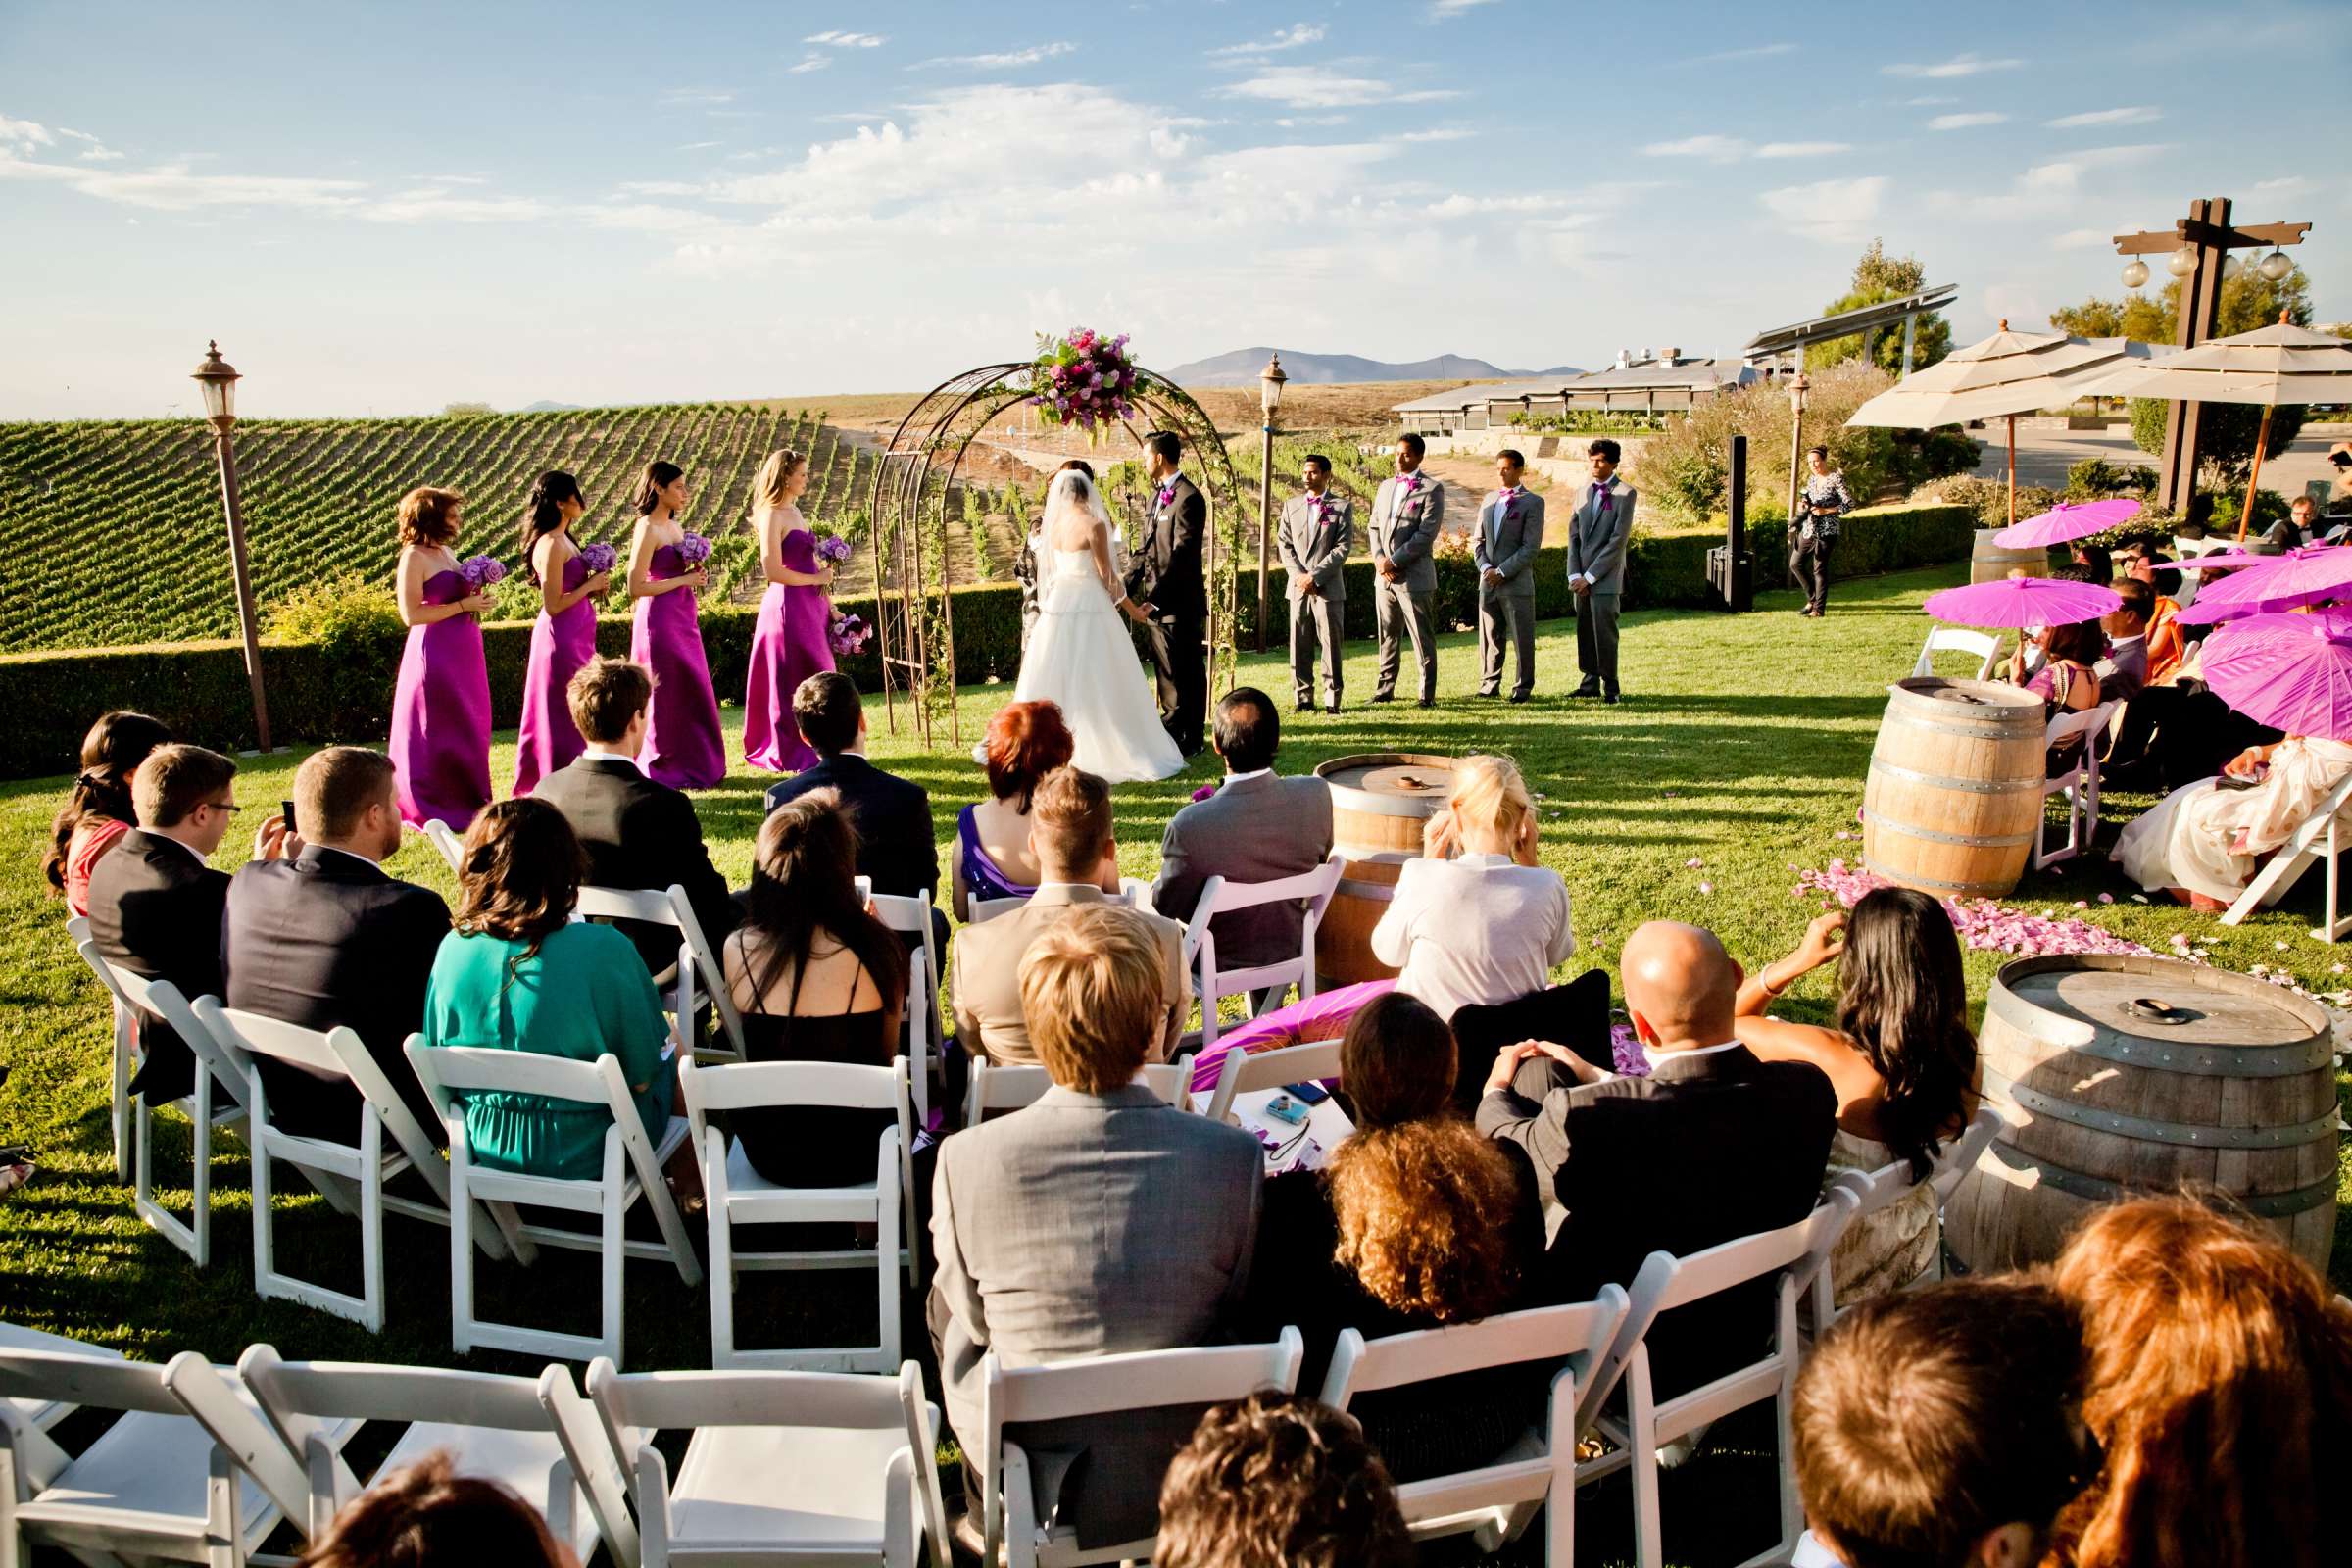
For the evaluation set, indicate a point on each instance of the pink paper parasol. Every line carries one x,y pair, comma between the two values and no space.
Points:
2221,560
2293,671
2282,582
2023,602
2066,522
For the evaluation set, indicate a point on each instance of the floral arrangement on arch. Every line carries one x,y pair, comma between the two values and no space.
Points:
1085,379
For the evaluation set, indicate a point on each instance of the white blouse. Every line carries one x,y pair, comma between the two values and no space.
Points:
1480,929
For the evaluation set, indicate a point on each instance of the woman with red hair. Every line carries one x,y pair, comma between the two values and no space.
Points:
992,857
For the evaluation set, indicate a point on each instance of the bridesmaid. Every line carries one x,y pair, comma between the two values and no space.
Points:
793,639
683,747
564,637
441,706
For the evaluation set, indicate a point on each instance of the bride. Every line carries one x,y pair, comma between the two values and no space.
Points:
1080,656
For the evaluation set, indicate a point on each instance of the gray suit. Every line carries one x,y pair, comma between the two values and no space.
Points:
1505,542
1314,549
1089,1225
1257,829
1405,525
1597,535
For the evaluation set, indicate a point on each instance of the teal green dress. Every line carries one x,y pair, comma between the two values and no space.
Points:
583,995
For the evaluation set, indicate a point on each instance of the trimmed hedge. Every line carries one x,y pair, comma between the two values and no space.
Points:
199,689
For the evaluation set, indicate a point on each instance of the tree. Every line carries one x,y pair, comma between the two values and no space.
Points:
2225,434
2249,301
1878,278
467,411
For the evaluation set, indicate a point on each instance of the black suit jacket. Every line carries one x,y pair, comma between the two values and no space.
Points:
638,835
1166,571
892,815
327,940
1706,1150
155,912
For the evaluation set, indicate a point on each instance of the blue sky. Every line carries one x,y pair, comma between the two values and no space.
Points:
386,208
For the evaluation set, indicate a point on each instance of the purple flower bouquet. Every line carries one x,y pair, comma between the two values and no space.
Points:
482,571
598,556
832,549
849,635
1085,379
693,549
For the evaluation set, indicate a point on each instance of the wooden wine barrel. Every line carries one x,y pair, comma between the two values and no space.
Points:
1991,562
1954,795
1380,803
2121,1075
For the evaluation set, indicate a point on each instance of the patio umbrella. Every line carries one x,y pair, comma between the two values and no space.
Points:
2278,582
2290,671
2066,522
2269,365
2023,602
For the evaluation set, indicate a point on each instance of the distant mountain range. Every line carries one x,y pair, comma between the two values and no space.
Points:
543,406
1241,367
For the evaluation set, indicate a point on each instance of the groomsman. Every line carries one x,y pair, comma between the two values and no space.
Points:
1317,529
1169,592
1406,516
1510,530
1597,533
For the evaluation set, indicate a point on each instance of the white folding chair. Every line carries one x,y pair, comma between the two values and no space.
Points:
1312,888
735,1193
920,1030
447,840
1888,1185
134,997
489,1424
783,1467
2316,837
696,957
1957,640
1791,1255
987,909
632,1170
995,1089
125,1030
1497,1499
1242,1073
42,1414
2079,784
1100,1384
594,1466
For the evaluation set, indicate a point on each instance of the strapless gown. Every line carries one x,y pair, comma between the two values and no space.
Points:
441,715
560,646
791,642
1082,658
683,748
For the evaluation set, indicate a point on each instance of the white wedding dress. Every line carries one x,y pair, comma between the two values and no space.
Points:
1081,656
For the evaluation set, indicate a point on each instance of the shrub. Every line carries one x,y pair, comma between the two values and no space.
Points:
1988,499
354,626
2270,506
2096,479
2225,433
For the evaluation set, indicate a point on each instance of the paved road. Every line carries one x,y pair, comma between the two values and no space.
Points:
2043,456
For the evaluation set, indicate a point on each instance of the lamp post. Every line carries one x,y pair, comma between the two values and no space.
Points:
1269,399
218,379
1796,437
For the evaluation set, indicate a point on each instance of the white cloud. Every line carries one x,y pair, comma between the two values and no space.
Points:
1440,10
696,146
94,151
837,40
175,188
1833,210
1715,149
1292,121
2285,185
24,134
1966,64
697,97
1927,100
999,61
1966,121
2078,239
2056,185
1803,149
449,179
1295,36
1762,51
2133,115
811,63
439,206
1319,87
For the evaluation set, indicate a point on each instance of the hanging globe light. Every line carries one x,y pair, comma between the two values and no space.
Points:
2136,272
2182,262
2231,267
2276,266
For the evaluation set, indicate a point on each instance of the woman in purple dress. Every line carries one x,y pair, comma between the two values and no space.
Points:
441,706
564,637
683,747
793,639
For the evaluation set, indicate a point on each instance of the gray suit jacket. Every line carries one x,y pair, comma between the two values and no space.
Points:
1597,536
1317,551
1089,1225
1252,830
1406,529
988,975
1509,545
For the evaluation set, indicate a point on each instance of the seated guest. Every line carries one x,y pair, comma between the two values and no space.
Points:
2218,1384
2202,843
1900,1057
990,858
427,1515
891,816
1937,1429
2299,527
1485,928
519,975
99,812
156,905
2165,645
1257,827
1097,1221
637,833
1278,1481
1714,1145
2123,672
1070,834
817,978
327,938
1417,1222
2066,682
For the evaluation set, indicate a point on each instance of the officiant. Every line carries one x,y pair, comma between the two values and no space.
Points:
1167,593
1318,527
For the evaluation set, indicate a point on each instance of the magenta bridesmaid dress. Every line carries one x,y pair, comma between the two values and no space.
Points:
441,715
560,646
792,641
683,748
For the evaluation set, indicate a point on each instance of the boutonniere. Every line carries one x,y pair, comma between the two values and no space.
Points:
1412,483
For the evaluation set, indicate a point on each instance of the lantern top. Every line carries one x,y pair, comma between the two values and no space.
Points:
218,378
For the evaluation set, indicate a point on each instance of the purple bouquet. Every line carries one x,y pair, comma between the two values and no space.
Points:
693,549
598,556
832,549
1086,380
849,635
482,571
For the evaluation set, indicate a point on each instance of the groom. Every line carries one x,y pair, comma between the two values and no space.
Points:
1166,594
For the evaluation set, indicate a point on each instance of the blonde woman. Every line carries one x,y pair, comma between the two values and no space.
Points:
793,638
1477,920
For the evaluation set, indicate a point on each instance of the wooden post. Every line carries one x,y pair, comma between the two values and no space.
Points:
2262,440
2013,470
242,573
2198,315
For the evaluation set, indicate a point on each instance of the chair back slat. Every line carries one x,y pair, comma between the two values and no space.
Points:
654,1402
1241,1072
458,1070
984,911
369,1391
848,1086
1538,1334
649,904
1140,1379
58,1377
1304,886
589,1452
1019,1084
445,839
206,1395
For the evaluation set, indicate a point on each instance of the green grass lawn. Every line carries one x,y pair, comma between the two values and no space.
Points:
1742,746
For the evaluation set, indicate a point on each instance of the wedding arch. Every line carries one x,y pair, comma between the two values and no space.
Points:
915,608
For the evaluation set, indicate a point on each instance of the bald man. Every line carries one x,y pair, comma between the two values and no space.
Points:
1712,1145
